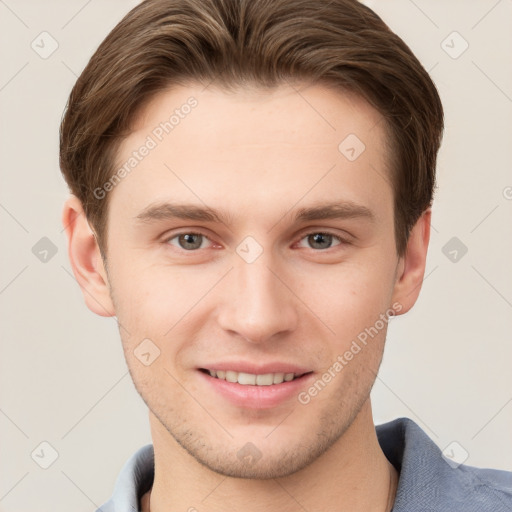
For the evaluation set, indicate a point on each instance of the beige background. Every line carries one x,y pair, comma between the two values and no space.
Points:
63,377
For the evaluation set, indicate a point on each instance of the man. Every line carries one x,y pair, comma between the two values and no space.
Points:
251,189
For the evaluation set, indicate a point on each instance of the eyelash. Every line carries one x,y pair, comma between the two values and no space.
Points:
342,241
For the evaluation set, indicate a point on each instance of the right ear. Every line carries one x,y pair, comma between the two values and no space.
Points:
85,258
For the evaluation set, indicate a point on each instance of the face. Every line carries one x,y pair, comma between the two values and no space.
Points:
254,238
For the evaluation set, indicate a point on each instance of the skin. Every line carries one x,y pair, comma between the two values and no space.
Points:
259,156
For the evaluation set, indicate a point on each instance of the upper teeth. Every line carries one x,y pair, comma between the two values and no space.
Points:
266,379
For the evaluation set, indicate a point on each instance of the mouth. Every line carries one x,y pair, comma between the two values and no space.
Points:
251,379
249,385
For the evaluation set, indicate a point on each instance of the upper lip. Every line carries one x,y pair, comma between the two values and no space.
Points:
256,369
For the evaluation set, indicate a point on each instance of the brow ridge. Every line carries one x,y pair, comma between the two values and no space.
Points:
324,211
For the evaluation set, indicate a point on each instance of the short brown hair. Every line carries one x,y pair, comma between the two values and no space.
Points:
237,43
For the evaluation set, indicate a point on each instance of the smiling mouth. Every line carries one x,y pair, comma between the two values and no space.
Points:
251,379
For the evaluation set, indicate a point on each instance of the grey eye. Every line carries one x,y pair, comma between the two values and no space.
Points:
320,240
188,241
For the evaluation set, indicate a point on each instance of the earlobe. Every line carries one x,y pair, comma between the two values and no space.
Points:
85,258
411,266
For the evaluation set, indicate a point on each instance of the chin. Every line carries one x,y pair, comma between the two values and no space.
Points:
264,456
280,465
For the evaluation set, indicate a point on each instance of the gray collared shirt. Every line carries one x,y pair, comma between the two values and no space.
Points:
428,482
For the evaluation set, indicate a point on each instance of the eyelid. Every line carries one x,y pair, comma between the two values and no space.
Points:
327,230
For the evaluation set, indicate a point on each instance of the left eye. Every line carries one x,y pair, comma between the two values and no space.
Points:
188,241
321,241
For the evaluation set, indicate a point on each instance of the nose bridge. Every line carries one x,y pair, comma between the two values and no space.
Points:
259,305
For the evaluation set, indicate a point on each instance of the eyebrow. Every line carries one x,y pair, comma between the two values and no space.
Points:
169,211
324,211
340,210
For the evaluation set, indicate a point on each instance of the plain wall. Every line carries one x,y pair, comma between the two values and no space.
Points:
63,378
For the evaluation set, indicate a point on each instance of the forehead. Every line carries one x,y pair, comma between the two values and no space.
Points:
314,114
256,149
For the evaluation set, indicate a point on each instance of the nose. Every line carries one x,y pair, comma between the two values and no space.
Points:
257,305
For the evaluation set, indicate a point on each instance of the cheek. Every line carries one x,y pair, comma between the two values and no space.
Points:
151,308
152,301
349,297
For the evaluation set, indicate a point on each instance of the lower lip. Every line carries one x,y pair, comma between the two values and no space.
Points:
257,397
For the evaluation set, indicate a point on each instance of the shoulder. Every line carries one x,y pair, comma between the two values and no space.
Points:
484,487
432,483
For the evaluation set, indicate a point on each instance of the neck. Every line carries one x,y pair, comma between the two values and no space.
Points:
352,475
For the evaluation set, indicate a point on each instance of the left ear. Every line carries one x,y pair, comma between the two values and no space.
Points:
411,266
